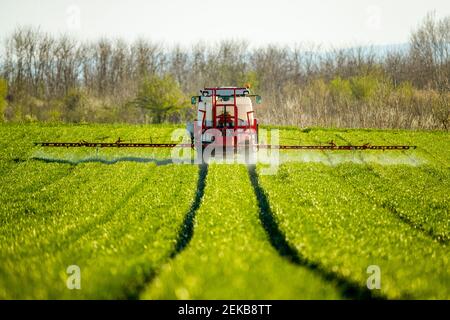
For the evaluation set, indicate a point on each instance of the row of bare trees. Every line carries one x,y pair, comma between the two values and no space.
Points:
45,67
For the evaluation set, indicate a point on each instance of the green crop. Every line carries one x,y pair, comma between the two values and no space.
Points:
346,228
117,221
419,196
230,256
139,226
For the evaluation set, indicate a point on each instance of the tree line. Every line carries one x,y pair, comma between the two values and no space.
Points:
59,78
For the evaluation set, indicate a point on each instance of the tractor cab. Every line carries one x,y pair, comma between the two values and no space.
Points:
225,117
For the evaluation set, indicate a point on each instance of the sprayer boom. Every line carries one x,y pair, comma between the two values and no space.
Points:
331,146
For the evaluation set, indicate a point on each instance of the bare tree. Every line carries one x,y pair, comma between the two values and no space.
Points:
429,53
302,85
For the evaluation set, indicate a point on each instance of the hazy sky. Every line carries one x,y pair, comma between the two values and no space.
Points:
329,22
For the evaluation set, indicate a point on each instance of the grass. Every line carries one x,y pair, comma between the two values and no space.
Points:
229,256
343,230
115,221
141,227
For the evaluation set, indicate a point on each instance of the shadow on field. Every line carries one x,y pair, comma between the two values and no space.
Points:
158,162
348,289
187,229
186,232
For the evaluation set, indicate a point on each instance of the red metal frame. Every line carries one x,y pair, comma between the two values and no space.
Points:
223,129
203,117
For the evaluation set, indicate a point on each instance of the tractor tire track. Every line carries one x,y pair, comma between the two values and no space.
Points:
184,236
187,229
348,288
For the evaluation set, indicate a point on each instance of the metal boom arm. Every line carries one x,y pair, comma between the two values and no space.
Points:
189,145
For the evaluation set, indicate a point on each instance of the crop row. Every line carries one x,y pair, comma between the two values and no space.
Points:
117,223
341,229
230,255
137,229
416,195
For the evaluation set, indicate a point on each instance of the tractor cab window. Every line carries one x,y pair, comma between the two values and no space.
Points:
225,92
225,117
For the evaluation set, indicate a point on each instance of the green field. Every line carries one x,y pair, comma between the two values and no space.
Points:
140,227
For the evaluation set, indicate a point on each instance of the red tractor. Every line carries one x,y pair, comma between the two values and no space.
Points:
225,118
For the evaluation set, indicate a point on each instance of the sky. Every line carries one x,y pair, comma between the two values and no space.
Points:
338,23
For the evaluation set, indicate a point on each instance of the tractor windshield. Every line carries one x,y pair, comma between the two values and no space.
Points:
226,92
